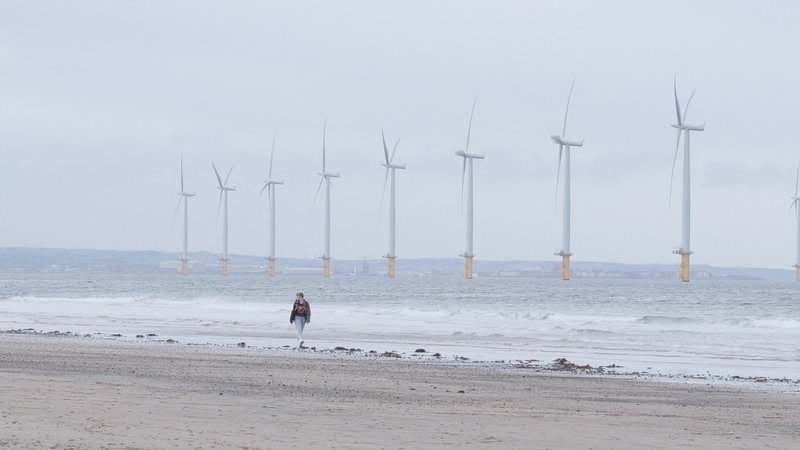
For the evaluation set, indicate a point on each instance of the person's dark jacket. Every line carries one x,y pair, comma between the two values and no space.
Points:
294,311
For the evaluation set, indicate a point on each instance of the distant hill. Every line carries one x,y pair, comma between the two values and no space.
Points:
43,260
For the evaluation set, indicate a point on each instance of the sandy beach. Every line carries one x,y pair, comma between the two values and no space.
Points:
72,392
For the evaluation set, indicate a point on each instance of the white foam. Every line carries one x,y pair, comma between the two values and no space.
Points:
718,328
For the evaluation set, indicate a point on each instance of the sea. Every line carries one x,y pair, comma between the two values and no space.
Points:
709,327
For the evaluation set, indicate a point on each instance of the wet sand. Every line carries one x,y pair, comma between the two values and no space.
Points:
71,392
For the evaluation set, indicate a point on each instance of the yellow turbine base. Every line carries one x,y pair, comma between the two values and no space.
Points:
797,273
224,267
391,267
685,267
271,271
326,267
184,267
468,267
565,267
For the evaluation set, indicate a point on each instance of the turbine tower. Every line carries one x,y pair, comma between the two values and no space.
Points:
467,161
185,200
223,201
685,249
325,177
564,146
390,166
269,185
796,205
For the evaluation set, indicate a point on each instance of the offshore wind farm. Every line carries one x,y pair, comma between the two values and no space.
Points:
683,128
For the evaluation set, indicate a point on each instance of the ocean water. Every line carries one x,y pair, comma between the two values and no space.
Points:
716,327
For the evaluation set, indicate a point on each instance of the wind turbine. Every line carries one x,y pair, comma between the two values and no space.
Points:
223,200
390,166
564,146
684,249
185,200
796,205
325,177
467,161
269,185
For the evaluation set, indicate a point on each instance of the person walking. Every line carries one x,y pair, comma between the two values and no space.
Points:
301,315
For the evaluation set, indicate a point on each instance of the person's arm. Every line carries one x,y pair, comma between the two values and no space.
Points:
308,316
291,316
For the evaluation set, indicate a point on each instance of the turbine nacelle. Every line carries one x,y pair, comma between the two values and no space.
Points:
270,182
223,184
689,127
561,141
185,194
328,175
470,155
394,166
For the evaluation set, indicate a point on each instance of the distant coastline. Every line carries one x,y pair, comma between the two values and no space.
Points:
52,260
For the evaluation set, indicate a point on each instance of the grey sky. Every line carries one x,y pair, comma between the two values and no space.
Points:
98,99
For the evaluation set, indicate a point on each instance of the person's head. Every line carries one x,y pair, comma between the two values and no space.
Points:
299,296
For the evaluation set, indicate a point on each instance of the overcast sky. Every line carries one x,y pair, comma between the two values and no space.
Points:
98,99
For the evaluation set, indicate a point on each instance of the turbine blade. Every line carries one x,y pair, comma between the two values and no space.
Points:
219,204
272,153
797,180
229,174
686,110
324,129
674,161
385,150
558,170
174,216
263,189
677,103
566,112
219,179
469,130
463,174
182,173
383,193
394,149
315,195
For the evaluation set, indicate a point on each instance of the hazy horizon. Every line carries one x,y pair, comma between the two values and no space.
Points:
554,264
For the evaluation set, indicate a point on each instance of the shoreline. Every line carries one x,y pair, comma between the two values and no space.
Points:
67,392
559,366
